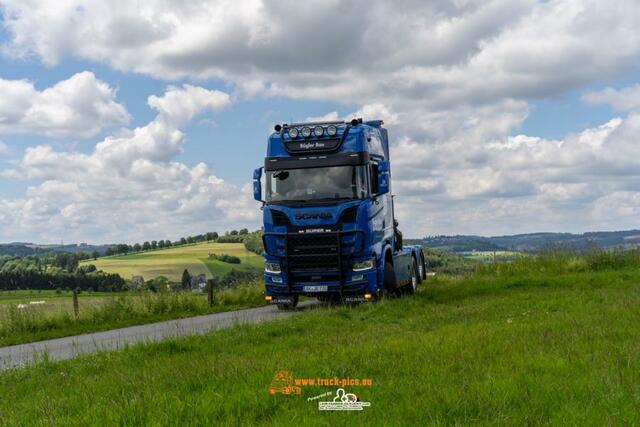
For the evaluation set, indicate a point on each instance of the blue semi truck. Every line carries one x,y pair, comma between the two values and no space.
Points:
329,225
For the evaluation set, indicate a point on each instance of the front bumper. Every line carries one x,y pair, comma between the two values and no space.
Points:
314,285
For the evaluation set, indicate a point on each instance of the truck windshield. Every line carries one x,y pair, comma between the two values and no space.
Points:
329,183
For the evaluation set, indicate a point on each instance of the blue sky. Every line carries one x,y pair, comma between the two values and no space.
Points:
505,116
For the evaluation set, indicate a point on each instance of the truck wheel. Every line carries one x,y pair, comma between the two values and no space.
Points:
422,268
412,287
289,306
389,277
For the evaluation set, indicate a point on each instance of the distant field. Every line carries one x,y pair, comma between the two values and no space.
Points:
490,255
172,262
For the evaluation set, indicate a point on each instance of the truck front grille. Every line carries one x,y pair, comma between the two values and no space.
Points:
313,252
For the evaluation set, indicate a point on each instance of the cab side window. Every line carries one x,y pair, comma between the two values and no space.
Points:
374,178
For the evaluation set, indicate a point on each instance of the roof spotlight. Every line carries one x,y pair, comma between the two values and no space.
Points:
318,131
306,132
277,128
293,133
332,130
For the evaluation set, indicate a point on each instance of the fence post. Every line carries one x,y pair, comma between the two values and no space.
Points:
75,303
210,292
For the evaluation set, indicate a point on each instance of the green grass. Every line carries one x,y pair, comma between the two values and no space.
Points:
56,319
546,340
26,295
173,261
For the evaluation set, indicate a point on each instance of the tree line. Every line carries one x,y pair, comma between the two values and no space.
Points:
55,271
233,236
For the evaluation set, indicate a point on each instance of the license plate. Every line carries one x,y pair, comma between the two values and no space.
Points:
316,288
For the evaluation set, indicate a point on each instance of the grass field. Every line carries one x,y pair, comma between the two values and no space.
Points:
27,295
21,322
172,262
546,340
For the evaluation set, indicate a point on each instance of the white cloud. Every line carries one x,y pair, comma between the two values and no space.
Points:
439,53
77,107
130,187
452,80
4,148
625,99
521,182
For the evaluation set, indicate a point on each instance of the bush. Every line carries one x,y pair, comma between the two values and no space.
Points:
253,243
234,277
231,259
231,239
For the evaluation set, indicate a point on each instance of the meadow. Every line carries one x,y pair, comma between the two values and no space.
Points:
173,261
52,316
25,296
545,340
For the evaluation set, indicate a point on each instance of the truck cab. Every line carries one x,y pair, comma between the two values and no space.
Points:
329,225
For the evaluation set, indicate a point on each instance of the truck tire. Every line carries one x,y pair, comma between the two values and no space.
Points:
412,287
389,277
422,268
289,306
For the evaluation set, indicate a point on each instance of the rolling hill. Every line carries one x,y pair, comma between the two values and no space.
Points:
533,242
173,261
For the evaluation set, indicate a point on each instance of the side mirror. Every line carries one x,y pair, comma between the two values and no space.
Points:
257,185
383,177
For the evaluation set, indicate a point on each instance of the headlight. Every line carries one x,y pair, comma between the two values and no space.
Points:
293,133
306,132
364,265
332,130
272,267
318,131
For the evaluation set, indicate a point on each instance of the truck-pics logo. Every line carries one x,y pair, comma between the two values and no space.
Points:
343,401
282,382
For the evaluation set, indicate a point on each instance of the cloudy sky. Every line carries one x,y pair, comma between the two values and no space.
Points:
129,121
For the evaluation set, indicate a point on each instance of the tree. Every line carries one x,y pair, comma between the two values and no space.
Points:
233,232
161,244
186,279
154,244
146,246
243,231
95,255
122,248
183,241
212,235
137,247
